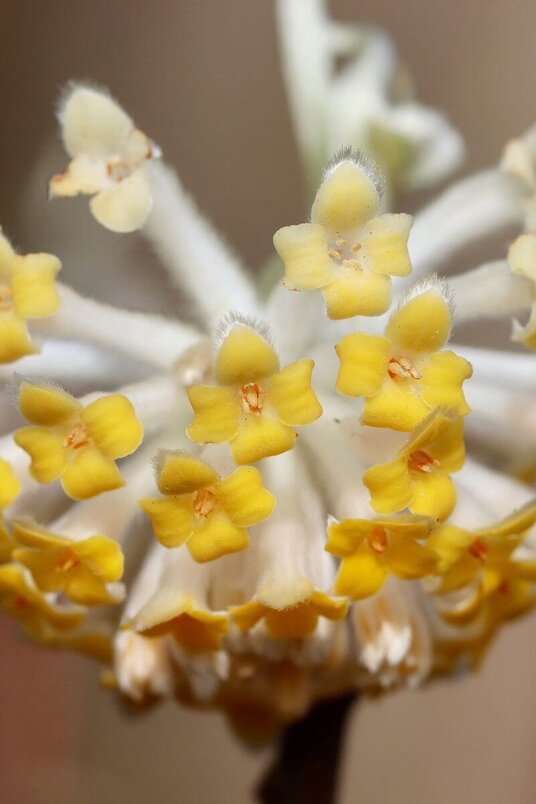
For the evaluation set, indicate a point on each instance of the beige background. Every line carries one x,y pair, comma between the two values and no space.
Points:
202,77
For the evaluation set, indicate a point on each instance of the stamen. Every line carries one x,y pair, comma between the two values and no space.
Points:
204,503
117,169
77,438
343,253
6,298
252,397
68,561
479,550
377,540
400,368
420,461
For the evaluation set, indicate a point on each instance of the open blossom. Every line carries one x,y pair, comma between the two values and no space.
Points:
357,553
76,443
405,374
108,157
27,291
348,250
210,514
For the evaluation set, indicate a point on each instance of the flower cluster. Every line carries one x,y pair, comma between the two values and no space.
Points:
294,514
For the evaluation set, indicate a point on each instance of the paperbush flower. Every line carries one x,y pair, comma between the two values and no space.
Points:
200,509
77,444
27,291
347,250
357,554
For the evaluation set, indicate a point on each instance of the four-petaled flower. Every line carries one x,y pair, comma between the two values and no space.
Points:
108,160
20,597
27,290
348,250
210,514
81,570
403,375
255,405
418,478
480,557
296,621
75,443
373,549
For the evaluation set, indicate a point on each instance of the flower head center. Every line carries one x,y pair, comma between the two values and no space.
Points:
6,297
117,169
252,397
67,561
204,503
344,252
78,437
400,369
377,540
479,549
420,461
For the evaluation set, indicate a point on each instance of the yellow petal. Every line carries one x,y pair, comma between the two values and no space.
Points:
517,523
408,559
460,574
125,207
297,622
217,536
244,497
217,413
421,325
32,284
245,357
434,494
46,405
364,360
248,615
385,244
113,425
329,607
14,339
389,485
172,519
290,393
9,485
304,251
441,436
357,292
259,437
396,406
180,473
46,451
102,556
346,199
442,377
345,537
90,473
360,575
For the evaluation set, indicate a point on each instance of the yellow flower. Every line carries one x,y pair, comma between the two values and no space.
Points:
254,405
200,509
371,550
27,290
480,556
20,598
108,160
512,592
404,375
183,618
347,251
76,443
80,570
419,478
296,621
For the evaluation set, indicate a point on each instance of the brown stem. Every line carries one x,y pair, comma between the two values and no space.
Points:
305,769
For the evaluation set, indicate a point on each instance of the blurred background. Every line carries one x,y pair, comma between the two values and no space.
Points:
202,77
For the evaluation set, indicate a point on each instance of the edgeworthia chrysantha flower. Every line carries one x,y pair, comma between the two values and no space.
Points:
277,505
